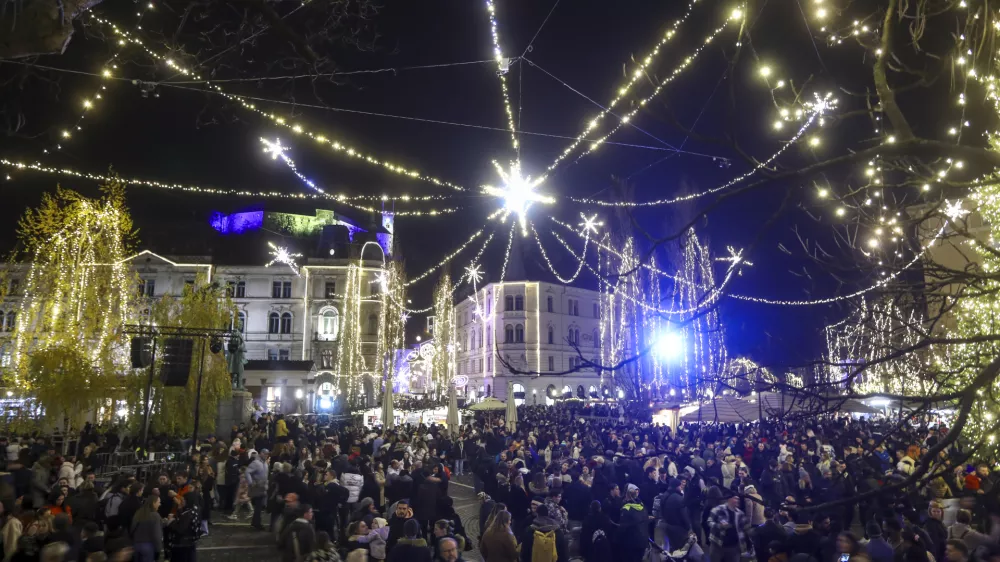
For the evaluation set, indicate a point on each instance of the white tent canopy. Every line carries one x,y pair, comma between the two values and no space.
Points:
489,404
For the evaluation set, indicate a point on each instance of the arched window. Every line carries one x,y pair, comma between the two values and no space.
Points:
552,334
567,392
489,302
597,340
576,337
548,300
593,391
519,302
329,324
372,323
273,322
508,302
326,359
10,321
580,393
569,337
519,333
286,322
508,334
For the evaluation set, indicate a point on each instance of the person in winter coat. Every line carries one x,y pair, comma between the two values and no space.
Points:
498,543
146,529
398,522
633,527
83,505
426,501
544,524
257,475
298,538
410,548
596,522
326,550
753,506
67,472
676,518
376,538
804,539
727,532
184,530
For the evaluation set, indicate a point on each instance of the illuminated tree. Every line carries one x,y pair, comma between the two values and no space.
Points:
69,353
350,362
391,320
445,346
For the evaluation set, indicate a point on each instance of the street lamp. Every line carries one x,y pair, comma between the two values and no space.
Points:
669,346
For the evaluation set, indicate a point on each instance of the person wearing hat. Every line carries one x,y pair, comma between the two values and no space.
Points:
879,550
409,547
633,530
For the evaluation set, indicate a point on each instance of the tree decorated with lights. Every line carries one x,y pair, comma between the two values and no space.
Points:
695,322
351,365
68,350
200,305
392,319
445,340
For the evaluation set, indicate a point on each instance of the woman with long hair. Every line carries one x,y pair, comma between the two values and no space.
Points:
146,529
519,503
498,543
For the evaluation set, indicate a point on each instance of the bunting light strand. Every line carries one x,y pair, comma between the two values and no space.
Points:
552,268
289,123
817,109
345,199
736,15
503,65
446,259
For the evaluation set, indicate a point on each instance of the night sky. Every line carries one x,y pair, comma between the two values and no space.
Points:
189,137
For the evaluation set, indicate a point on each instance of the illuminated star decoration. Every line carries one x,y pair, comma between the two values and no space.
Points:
953,210
473,274
518,194
383,281
276,150
589,224
404,317
281,254
735,258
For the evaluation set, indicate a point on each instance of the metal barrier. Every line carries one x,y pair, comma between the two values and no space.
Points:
146,471
111,463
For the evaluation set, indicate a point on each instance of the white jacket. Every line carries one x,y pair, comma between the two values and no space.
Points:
68,471
353,482
12,451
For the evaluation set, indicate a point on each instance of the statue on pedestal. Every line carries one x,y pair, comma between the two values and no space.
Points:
236,358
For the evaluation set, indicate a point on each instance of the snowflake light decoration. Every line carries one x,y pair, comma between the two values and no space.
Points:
274,148
518,194
383,281
954,211
589,224
735,258
473,274
280,254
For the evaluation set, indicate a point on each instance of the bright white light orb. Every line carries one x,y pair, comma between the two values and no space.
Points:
669,345
325,403
299,394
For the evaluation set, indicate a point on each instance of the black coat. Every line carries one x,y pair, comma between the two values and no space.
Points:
410,550
425,504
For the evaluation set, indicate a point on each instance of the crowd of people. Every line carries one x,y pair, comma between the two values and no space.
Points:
558,486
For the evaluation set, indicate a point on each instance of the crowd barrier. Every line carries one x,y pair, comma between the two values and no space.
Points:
111,463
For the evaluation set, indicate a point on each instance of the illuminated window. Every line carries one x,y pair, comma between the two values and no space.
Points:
329,324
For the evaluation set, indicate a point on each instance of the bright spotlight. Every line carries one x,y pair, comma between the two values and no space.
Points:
325,403
669,346
298,393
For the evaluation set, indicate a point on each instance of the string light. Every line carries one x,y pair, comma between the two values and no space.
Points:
580,259
446,259
735,16
503,65
634,78
341,198
289,123
277,151
817,109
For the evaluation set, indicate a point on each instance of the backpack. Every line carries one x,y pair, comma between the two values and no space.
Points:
111,506
543,549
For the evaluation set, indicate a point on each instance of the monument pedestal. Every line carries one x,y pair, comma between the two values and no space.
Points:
234,411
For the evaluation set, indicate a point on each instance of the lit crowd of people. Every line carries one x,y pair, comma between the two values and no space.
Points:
559,486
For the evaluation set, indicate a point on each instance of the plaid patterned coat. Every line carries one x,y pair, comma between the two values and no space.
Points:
718,519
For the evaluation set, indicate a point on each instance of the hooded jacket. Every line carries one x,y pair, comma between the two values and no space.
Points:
410,550
544,525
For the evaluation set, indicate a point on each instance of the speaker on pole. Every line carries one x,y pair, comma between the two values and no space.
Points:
142,352
176,365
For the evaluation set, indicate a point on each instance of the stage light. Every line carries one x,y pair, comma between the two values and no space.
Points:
299,394
325,403
669,346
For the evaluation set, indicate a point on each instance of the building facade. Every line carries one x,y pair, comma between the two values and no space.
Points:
538,335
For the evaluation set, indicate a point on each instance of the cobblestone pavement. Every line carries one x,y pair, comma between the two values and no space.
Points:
235,541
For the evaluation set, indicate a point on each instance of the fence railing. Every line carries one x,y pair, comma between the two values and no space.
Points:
110,463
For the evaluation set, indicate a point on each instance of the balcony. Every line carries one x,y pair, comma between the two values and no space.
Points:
267,336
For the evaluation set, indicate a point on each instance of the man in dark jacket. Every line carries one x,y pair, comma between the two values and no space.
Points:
409,548
577,499
674,515
298,538
772,485
763,535
544,524
425,504
804,539
633,527
398,521
232,468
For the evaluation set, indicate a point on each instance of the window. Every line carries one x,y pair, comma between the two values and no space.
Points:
597,313
188,283
573,362
548,300
552,335
237,289
240,322
9,321
284,354
508,334
326,359
508,302
488,304
372,323
272,323
576,308
489,363
519,333
330,289
5,355
576,337
281,290
273,402
329,324
286,322
147,287
519,302
552,363
569,337
480,366
272,354
597,340
13,286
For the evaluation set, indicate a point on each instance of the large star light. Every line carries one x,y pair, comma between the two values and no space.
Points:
518,194
280,254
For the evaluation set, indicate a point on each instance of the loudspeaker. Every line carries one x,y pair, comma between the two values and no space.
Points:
142,352
176,364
